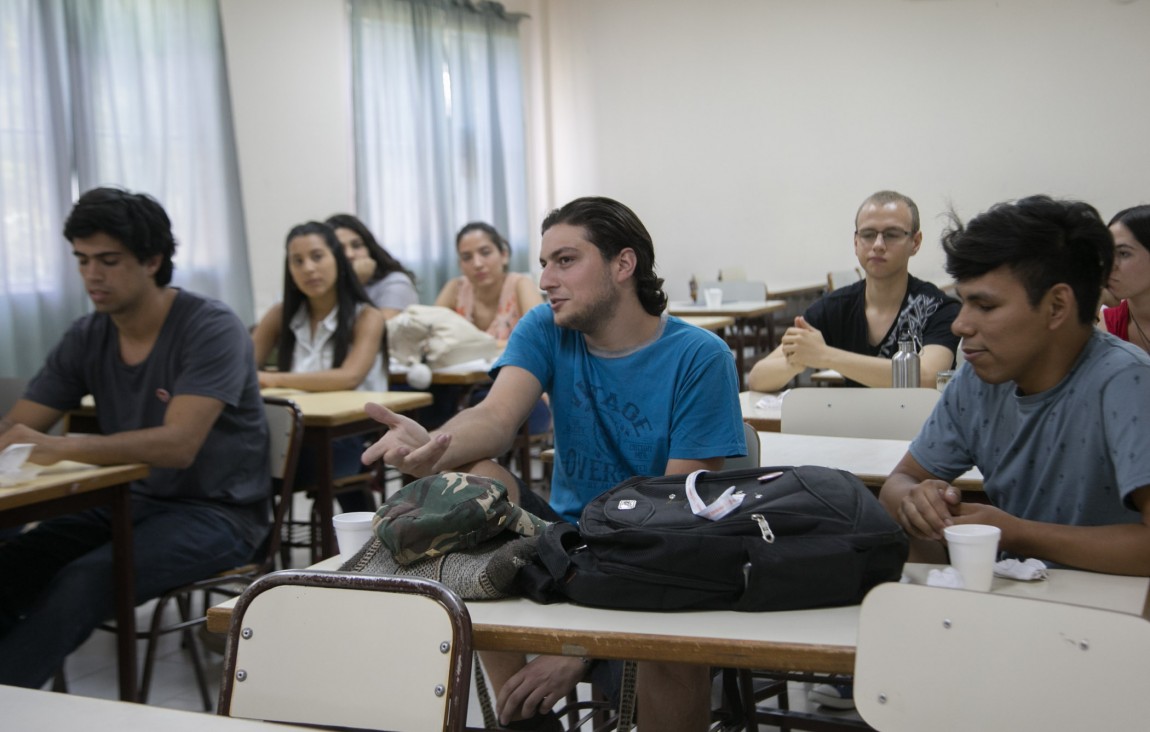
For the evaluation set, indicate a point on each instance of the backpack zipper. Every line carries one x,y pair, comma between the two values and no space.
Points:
764,527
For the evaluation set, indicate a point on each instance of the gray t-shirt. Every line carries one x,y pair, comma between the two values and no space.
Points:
395,291
202,349
1068,455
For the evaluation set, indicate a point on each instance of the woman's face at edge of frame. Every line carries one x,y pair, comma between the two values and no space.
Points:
1130,275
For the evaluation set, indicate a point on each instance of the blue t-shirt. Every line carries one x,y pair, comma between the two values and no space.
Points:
202,349
1069,455
618,415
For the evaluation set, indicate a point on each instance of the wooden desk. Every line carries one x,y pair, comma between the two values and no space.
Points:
714,323
871,460
821,640
811,289
329,415
828,377
470,373
69,487
31,710
747,316
763,419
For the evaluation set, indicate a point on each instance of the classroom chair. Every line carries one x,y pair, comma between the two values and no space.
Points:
285,430
304,532
890,414
944,659
348,650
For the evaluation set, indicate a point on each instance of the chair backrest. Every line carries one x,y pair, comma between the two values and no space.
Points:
837,278
751,460
940,659
285,437
349,650
891,414
739,290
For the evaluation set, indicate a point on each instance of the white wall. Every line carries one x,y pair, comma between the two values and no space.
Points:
743,132
288,70
747,131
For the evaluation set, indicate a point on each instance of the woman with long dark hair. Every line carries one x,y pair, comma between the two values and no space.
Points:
327,331
389,285
1130,277
327,335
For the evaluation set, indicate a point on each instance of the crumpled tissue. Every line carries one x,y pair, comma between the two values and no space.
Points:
945,577
1027,570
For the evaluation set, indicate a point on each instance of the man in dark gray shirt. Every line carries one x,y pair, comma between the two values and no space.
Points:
175,386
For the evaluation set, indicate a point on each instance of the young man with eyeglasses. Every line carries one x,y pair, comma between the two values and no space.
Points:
854,330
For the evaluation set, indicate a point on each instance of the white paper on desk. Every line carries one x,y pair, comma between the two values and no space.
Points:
14,467
1029,570
12,458
771,401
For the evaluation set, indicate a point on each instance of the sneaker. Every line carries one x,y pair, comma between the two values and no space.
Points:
835,696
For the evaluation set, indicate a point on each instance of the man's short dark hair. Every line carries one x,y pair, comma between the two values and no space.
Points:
612,227
881,198
136,220
1044,241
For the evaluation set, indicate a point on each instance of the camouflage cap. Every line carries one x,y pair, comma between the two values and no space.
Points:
442,513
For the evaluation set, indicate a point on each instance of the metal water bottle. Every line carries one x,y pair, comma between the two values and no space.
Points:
904,365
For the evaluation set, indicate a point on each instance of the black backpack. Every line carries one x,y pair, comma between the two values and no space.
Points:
803,537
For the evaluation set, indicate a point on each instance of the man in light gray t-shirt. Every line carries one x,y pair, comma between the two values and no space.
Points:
1047,407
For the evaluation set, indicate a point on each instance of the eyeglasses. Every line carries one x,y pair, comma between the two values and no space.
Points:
889,236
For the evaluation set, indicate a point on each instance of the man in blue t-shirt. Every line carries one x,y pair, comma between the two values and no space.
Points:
1049,408
854,330
633,392
175,386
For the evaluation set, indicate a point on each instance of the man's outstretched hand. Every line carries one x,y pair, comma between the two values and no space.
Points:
406,446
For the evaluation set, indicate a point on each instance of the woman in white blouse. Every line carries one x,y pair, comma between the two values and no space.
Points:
327,330
328,336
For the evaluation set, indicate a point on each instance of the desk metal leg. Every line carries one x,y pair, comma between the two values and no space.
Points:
125,590
741,341
325,495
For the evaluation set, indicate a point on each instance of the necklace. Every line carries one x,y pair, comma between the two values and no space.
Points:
1140,331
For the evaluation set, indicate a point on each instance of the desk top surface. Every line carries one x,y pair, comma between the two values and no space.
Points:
870,459
32,710
708,322
797,288
461,374
68,478
329,408
762,410
821,639
826,626
735,309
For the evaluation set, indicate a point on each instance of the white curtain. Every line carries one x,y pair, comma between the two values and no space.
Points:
128,93
439,129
